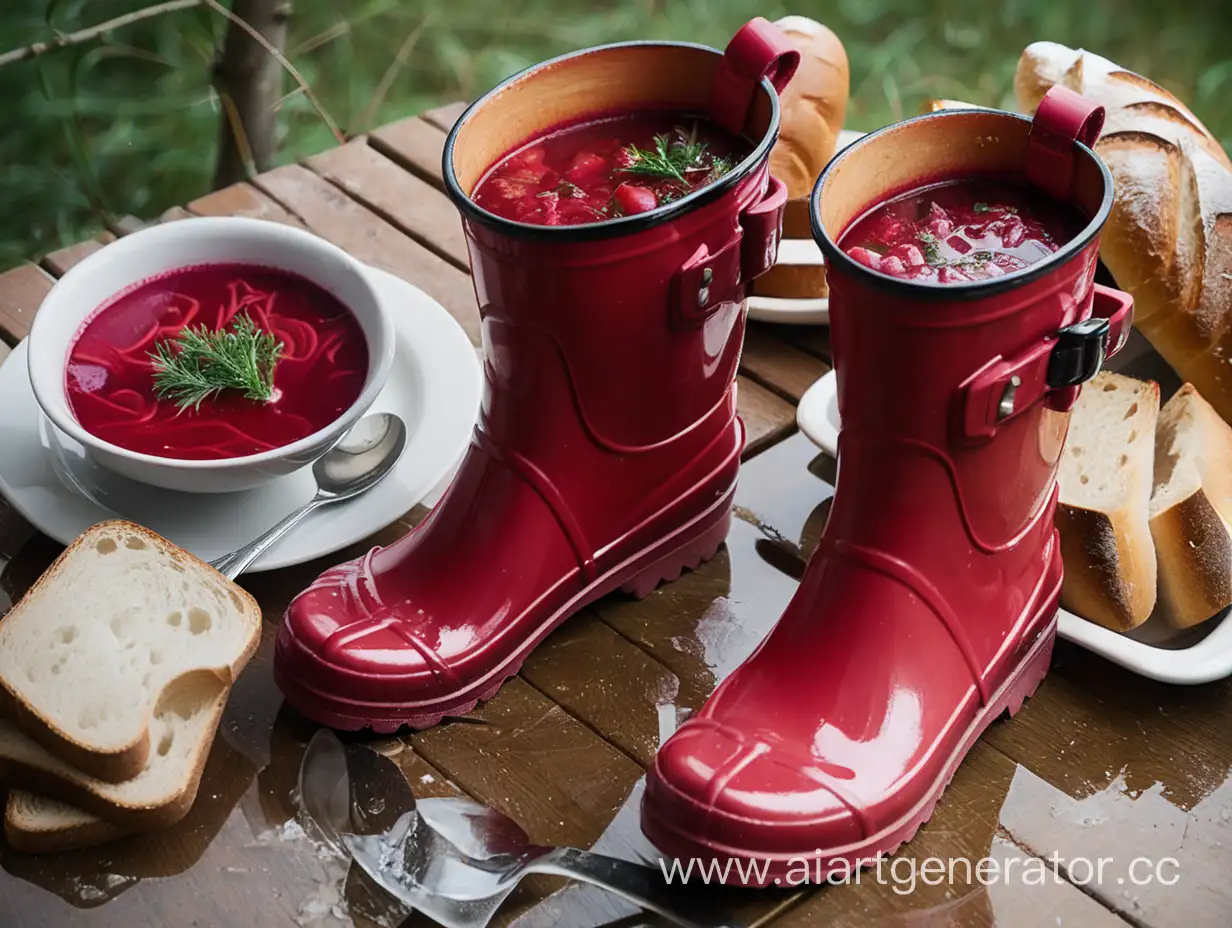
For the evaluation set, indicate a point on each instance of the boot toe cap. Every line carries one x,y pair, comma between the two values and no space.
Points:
738,794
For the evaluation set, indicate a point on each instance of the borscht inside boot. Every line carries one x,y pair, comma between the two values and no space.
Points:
929,607
607,447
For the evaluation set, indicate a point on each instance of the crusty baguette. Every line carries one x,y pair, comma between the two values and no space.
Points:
36,825
1103,506
183,727
1191,508
1168,240
813,108
87,652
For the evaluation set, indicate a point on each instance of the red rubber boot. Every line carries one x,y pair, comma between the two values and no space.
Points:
607,448
929,607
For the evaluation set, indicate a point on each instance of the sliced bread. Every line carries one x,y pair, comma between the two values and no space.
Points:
37,825
1191,508
87,652
161,794
1103,508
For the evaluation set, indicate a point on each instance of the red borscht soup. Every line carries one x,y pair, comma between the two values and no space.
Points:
961,230
216,361
606,168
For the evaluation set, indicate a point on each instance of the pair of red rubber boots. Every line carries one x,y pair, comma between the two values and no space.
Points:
608,446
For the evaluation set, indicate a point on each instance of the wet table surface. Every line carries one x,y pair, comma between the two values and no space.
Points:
1099,765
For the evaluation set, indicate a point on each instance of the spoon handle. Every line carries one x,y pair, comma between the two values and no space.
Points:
233,564
643,886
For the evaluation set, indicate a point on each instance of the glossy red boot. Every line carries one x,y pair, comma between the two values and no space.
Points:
929,607
607,447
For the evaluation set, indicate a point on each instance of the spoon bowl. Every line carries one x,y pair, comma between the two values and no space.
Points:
362,457
356,463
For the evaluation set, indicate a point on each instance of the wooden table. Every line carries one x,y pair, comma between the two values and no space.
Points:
1099,764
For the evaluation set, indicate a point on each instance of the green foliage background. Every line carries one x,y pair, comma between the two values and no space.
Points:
129,125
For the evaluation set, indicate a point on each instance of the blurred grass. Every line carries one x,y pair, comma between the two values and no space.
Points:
129,125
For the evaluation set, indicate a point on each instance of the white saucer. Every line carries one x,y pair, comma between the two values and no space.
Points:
1154,649
434,385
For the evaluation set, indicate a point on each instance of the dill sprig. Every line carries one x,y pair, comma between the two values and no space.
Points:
199,363
673,158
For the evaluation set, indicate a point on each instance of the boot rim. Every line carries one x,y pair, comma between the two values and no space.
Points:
967,290
623,225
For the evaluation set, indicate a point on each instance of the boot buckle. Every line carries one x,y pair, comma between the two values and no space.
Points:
1052,370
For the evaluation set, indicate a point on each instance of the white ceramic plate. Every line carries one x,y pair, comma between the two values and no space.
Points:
798,251
1154,649
434,385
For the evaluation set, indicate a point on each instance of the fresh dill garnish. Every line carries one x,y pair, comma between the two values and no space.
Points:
199,363
674,158
985,208
932,254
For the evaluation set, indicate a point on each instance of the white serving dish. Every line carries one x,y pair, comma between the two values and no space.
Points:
434,385
162,248
1154,649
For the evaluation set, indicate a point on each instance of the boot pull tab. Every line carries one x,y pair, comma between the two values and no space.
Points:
1052,370
1063,117
756,51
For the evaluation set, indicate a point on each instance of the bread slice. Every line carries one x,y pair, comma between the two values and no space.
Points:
1105,493
36,825
161,794
1191,508
87,652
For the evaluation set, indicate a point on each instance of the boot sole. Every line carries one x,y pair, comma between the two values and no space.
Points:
638,575
1018,687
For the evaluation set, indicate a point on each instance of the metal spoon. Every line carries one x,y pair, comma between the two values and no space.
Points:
353,466
452,859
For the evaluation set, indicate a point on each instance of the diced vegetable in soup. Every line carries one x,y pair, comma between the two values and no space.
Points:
607,168
961,231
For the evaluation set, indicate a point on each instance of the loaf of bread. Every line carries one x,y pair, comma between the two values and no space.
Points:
812,108
1168,240
1190,510
1104,502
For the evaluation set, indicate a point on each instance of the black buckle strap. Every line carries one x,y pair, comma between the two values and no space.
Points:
1079,353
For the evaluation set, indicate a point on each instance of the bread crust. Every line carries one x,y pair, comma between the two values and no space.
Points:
1195,561
1109,568
125,763
45,782
793,281
1168,240
813,106
53,841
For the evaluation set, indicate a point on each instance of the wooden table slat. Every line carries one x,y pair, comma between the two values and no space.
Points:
244,200
443,117
777,365
21,293
58,262
419,210
767,418
414,144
